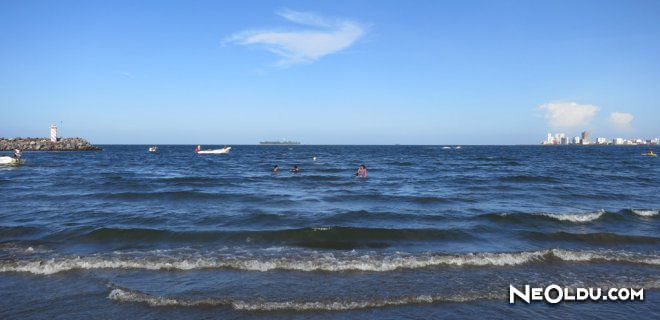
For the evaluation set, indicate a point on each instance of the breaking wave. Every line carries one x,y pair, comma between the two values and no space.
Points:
130,296
323,262
645,212
578,217
519,217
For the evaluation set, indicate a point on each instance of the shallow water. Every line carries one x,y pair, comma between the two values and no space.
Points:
430,233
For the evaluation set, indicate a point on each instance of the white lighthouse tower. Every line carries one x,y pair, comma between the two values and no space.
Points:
53,133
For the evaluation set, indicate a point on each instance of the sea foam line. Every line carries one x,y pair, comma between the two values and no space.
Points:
325,262
645,212
577,217
122,295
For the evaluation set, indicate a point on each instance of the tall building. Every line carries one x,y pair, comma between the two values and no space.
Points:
585,137
576,140
601,140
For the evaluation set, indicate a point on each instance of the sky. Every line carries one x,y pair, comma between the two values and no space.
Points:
329,72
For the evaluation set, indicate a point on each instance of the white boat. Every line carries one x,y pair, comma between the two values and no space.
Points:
11,161
153,149
446,148
212,151
457,147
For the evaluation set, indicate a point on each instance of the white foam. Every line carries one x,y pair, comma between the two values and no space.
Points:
577,217
330,305
325,262
613,256
128,296
645,213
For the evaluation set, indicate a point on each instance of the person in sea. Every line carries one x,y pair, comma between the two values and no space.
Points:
276,168
362,172
295,169
17,154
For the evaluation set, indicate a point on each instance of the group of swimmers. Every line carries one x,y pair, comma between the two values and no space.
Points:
361,172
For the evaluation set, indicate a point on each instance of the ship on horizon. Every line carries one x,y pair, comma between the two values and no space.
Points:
279,143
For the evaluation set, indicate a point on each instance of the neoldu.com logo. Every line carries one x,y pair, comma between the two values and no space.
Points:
555,294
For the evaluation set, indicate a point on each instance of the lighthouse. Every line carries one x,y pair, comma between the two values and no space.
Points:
53,133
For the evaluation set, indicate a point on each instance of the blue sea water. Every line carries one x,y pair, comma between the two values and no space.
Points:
431,233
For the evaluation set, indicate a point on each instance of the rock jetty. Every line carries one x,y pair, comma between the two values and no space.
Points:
44,144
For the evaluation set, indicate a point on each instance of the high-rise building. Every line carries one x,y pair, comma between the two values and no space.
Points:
601,140
576,140
585,137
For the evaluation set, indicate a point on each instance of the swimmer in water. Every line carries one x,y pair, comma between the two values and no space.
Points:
295,169
276,168
362,172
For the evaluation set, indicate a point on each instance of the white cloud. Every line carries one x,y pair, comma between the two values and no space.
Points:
321,37
621,120
568,114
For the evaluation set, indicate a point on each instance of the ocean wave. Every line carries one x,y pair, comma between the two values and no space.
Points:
528,179
13,232
333,304
323,262
645,212
131,296
521,217
181,195
371,216
597,237
188,179
577,217
315,237
388,198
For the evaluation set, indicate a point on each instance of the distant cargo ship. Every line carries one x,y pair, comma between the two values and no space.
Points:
279,143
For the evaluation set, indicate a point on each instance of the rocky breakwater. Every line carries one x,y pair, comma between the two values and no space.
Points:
44,144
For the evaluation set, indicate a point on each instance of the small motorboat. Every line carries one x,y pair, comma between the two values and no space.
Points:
650,154
212,151
446,148
153,149
457,147
11,161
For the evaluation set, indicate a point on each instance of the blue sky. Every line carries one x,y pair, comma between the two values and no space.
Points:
344,72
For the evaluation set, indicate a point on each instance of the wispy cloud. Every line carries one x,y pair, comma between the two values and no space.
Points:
319,37
568,114
621,120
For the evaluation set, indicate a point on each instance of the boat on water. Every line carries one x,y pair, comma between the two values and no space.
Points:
153,149
11,161
446,148
650,154
457,147
280,143
212,151
14,160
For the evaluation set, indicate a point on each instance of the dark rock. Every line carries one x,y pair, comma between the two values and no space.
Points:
44,144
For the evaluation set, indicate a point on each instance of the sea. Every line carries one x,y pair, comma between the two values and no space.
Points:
432,232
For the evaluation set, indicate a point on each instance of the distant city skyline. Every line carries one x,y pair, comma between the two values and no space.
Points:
584,138
345,72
